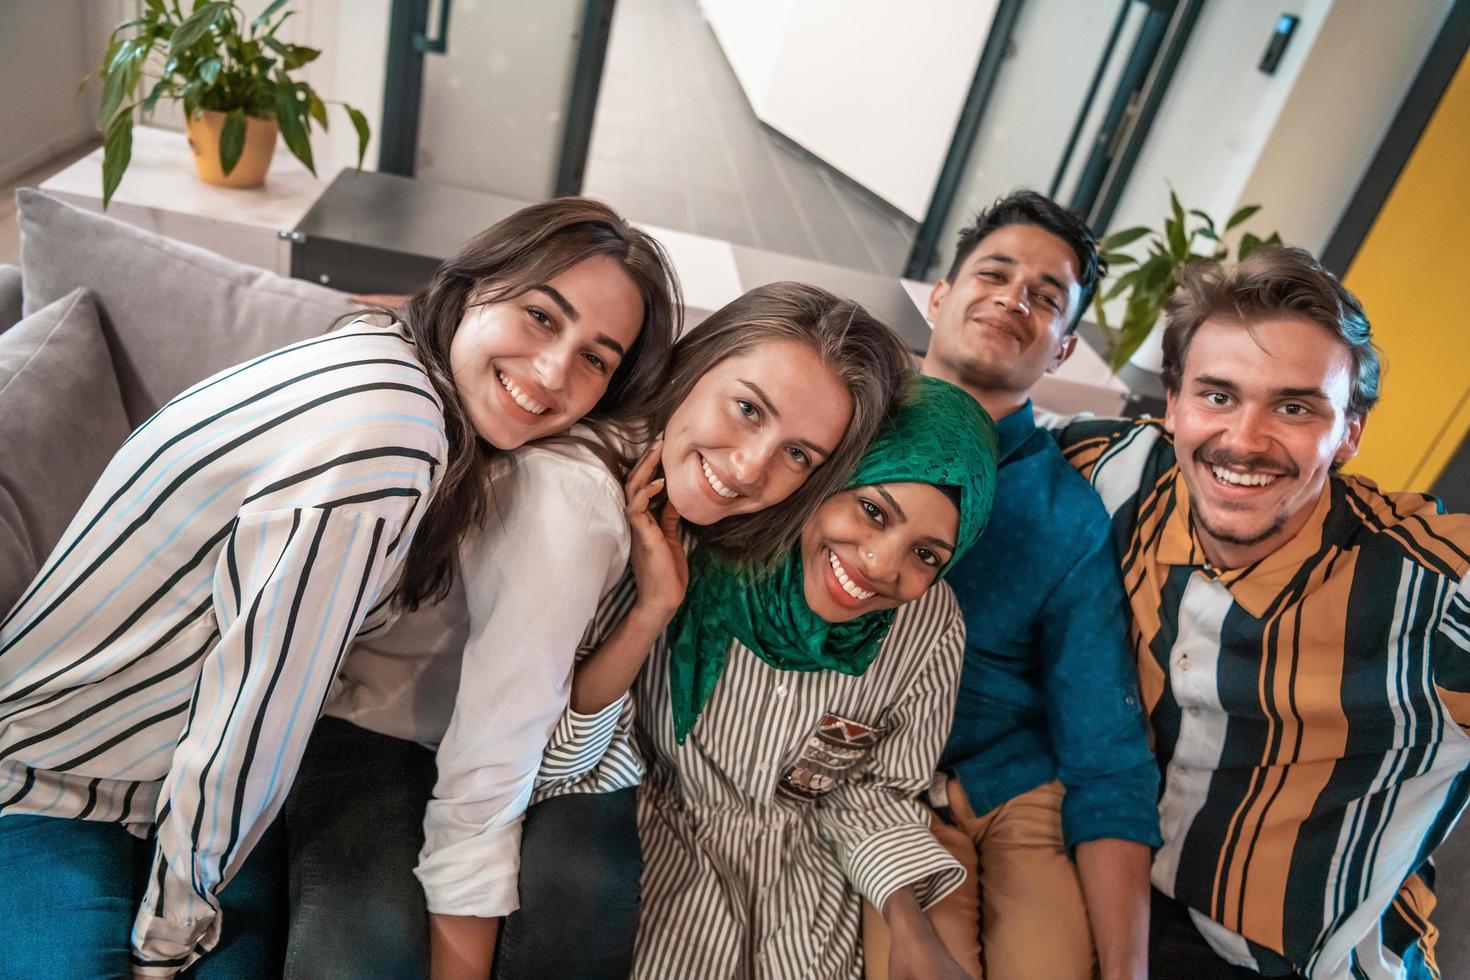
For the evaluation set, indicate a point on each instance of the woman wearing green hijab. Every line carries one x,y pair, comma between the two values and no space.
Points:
788,722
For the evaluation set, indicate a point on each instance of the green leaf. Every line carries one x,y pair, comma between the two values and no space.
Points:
317,108
1178,244
1209,222
191,94
1118,258
158,92
232,140
195,26
114,90
157,7
1275,239
1248,244
1207,233
117,152
1175,207
266,14
359,123
1125,237
289,110
208,70
1241,215
298,55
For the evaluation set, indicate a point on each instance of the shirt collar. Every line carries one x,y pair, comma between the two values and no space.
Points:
1255,587
1013,430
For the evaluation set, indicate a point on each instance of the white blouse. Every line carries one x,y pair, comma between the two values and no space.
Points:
485,675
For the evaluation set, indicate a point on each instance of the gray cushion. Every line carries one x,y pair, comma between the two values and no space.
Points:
9,296
61,419
173,314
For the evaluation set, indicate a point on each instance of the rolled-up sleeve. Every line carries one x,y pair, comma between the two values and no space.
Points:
532,583
876,825
1093,707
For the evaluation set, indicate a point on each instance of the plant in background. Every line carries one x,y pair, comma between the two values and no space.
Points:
1154,277
210,60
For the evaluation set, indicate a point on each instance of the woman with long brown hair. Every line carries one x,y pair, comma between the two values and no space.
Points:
770,403
163,672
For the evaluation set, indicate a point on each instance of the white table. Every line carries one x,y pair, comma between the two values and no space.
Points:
161,191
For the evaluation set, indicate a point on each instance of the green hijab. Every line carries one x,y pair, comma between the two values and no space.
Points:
939,435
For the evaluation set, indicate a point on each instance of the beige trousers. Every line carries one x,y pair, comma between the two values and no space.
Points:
1019,914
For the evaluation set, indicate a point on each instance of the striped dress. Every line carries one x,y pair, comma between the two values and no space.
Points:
166,666
791,800
1310,712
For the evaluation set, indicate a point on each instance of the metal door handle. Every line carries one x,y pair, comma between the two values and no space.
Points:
424,44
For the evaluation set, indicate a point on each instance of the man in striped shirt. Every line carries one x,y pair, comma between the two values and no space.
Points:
1303,639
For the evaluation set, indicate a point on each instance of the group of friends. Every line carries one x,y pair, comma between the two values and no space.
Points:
511,630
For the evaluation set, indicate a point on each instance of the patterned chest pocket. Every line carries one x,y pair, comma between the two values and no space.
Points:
833,753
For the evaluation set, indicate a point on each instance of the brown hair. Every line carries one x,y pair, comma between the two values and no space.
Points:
866,356
531,246
1273,281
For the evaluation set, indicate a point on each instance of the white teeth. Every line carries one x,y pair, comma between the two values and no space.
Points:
844,581
520,397
715,483
1243,479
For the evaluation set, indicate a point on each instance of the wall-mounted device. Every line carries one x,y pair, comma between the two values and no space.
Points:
1285,27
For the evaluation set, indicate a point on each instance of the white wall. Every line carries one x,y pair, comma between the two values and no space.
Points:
872,87
44,53
1347,93
1296,142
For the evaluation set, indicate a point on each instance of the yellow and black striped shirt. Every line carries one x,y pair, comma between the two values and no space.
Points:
1309,711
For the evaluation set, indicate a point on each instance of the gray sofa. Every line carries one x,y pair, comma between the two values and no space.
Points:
113,322
118,320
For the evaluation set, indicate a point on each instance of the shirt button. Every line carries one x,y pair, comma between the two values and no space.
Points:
1130,700
781,691
760,767
1184,663
1193,712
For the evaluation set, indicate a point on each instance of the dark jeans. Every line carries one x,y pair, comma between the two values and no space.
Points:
580,862
69,890
1177,951
354,825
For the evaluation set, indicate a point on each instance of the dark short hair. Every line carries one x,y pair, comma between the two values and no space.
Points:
1030,208
1273,281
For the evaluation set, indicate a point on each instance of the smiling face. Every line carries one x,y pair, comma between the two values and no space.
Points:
1002,322
1258,421
752,430
875,547
534,364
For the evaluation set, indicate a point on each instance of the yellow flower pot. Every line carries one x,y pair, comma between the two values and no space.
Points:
260,146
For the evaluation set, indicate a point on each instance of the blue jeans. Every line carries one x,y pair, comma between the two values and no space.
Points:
354,823
580,863
70,888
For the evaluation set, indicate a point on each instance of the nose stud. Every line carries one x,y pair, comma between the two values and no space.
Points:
870,555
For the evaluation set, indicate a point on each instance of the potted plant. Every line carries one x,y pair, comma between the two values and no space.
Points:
233,78
1153,278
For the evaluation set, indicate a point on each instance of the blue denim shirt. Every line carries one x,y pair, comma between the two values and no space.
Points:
1050,688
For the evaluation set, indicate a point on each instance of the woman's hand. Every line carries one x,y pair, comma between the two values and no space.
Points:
915,952
660,566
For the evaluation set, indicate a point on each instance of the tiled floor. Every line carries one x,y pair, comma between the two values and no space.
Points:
675,143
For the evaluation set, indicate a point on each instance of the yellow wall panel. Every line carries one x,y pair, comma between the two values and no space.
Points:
1413,277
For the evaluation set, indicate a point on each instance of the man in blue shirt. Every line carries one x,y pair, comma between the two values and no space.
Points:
1049,757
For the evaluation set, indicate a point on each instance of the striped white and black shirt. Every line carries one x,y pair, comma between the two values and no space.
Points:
793,798
166,666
